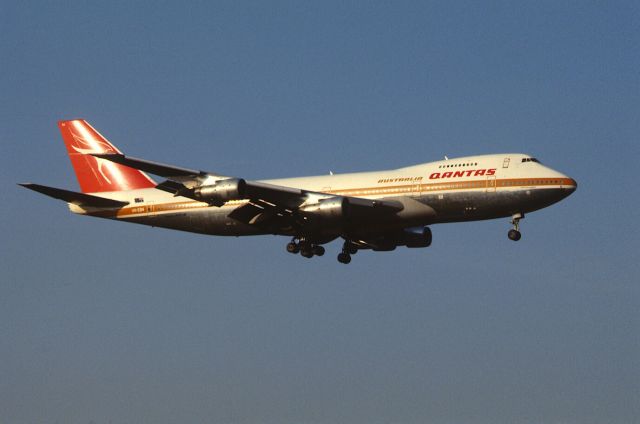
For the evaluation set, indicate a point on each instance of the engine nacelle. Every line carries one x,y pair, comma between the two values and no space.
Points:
221,191
330,212
416,237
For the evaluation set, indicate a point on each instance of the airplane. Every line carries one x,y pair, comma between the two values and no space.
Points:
378,210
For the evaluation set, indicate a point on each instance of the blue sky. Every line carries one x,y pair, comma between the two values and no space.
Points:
109,322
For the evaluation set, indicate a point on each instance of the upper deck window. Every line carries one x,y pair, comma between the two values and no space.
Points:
530,160
459,164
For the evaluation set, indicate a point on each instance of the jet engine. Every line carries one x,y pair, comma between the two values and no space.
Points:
330,213
410,237
416,237
221,191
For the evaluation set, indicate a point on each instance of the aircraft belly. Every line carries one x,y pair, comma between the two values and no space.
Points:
476,205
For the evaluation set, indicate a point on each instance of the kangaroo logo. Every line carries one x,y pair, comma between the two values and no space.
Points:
93,145
84,146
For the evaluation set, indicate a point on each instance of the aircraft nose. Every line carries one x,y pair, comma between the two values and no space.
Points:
569,185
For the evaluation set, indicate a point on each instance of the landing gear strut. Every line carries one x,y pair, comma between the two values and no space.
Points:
514,233
348,249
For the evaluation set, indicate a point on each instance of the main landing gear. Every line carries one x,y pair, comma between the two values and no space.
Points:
308,249
348,249
304,247
514,233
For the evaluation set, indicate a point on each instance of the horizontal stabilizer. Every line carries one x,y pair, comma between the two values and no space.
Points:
76,198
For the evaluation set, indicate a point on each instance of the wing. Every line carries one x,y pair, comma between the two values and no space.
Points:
267,204
184,182
155,168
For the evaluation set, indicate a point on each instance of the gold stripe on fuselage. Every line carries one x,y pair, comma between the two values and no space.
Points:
397,190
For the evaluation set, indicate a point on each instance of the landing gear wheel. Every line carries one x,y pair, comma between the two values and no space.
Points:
305,247
293,247
344,258
514,235
349,248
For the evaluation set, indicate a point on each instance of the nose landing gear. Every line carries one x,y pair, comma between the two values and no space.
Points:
514,233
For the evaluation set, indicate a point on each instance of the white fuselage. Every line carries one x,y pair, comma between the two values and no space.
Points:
460,189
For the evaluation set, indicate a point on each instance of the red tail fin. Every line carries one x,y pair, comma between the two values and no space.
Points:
96,175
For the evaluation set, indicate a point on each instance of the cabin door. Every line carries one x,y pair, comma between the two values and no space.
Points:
416,189
491,184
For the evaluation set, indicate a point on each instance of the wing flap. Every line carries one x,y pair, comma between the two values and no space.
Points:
246,213
175,188
284,197
80,199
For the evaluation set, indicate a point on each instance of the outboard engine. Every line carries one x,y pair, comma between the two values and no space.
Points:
221,191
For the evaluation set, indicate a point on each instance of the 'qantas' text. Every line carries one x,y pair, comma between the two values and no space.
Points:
467,173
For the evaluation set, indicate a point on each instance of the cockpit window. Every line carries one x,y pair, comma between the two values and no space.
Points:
530,160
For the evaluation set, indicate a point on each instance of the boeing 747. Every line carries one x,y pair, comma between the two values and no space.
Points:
377,210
